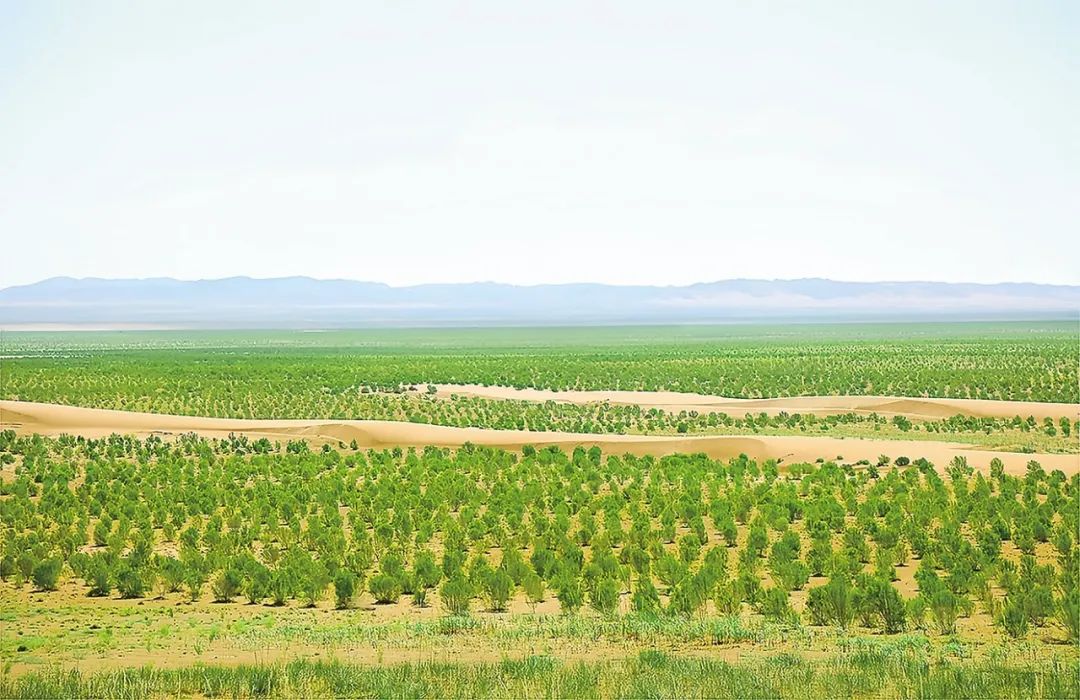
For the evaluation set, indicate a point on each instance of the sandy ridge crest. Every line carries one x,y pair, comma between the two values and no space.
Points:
53,420
672,401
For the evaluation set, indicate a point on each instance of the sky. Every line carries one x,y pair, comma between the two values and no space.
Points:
622,142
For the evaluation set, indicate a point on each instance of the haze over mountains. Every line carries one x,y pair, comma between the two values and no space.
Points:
303,302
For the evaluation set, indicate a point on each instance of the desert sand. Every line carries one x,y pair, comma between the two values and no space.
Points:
889,406
54,420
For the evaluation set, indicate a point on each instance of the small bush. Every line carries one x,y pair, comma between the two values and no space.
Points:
46,573
133,581
534,587
833,603
455,593
887,605
99,575
774,605
498,587
385,588
604,596
569,593
1014,619
345,585
227,585
729,598
645,598
944,609
1068,613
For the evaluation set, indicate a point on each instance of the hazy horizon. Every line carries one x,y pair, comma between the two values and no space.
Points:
625,144
306,302
580,282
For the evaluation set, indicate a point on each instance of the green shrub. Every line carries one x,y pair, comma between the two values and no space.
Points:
133,581
670,570
887,604
172,573
102,531
689,548
692,594
282,585
98,572
916,612
569,592
385,588
757,538
749,583
729,598
604,596
791,575
945,608
1014,619
833,603
645,598
455,593
46,573
256,585
534,587
426,571
773,603
7,567
498,587
345,586
227,585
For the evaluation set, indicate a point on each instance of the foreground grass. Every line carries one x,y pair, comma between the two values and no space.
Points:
868,672
637,627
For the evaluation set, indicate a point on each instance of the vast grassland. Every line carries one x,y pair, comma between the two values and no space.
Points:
238,567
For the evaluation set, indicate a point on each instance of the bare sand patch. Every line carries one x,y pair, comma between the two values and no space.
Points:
54,420
672,401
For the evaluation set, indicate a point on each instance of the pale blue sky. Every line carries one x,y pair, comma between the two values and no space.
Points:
660,143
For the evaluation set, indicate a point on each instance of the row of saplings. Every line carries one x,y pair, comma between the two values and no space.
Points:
1035,594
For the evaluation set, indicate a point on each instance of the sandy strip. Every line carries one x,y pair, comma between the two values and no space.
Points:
671,401
53,420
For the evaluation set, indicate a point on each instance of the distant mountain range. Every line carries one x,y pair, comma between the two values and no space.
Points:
303,302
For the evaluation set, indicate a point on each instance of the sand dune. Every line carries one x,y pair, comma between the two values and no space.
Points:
53,420
921,408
